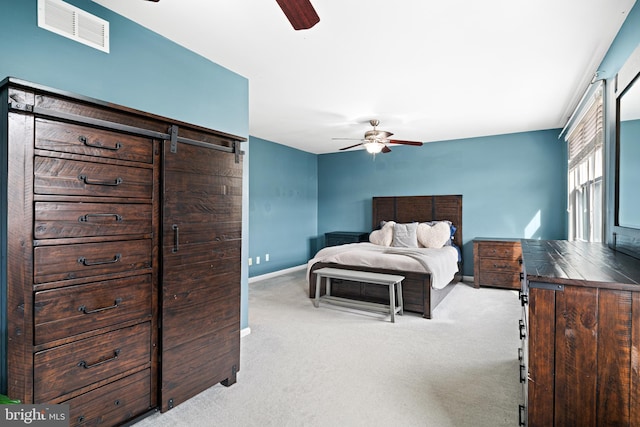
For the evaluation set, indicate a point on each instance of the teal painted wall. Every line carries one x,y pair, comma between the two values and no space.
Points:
283,206
512,185
143,70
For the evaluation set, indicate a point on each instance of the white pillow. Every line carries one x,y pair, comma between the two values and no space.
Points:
384,236
433,236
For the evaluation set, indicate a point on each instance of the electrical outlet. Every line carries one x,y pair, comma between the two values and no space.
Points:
257,260
250,262
266,258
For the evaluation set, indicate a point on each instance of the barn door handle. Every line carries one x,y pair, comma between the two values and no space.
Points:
176,237
85,218
83,308
98,144
83,364
82,260
113,183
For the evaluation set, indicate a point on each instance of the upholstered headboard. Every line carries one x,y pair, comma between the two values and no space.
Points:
419,209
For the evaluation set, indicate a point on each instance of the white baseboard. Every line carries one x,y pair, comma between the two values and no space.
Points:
467,279
277,273
244,332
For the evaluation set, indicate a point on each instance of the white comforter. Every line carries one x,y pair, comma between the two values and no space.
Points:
441,263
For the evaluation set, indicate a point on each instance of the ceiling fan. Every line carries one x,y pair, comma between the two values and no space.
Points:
300,13
375,141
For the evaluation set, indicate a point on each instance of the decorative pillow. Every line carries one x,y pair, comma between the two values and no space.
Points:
384,236
405,235
434,236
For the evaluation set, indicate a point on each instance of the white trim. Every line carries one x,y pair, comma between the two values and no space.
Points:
468,279
276,273
244,332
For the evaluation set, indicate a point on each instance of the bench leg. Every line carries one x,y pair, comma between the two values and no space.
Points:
400,303
392,302
318,284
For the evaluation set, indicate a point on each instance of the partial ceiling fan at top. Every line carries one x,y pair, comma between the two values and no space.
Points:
300,13
375,141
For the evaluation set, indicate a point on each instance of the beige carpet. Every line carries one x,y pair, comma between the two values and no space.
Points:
330,366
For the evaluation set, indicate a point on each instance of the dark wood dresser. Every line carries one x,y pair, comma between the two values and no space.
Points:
580,332
335,238
121,255
496,262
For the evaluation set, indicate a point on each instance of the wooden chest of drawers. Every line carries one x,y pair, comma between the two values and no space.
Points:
497,262
109,219
335,238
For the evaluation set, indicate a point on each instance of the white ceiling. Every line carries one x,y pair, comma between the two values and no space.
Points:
428,70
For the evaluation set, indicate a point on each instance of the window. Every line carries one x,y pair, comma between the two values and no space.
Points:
585,155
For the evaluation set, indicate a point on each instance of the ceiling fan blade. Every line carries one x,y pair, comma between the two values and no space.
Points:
351,146
346,139
399,141
386,149
300,13
156,1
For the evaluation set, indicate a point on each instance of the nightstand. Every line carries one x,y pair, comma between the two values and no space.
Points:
336,238
497,262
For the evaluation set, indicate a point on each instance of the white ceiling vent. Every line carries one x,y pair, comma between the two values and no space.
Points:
76,24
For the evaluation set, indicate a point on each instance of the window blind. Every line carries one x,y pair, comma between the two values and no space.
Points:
588,133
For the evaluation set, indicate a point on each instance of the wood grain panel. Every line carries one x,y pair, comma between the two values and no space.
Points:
576,356
202,213
541,333
64,312
66,368
76,178
112,404
614,357
53,263
77,139
634,374
60,220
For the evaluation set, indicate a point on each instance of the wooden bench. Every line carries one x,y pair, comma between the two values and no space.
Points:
394,282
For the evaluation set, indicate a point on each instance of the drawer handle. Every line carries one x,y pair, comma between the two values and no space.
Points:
523,370
98,144
82,260
85,218
83,308
521,418
523,334
520,354
176,237
83,364
500,266
113,183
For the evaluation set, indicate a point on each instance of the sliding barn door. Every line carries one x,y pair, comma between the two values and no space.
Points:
200,325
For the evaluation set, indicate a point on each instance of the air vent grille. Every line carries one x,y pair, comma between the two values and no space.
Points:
76,24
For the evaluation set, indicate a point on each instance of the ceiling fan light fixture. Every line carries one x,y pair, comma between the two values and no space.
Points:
374,147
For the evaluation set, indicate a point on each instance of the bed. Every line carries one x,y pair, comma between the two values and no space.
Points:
418,290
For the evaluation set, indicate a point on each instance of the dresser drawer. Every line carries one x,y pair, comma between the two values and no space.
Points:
502,279
77,139
63,262
506,250
59,220
112,404
78,178
500,265
65,312
69,367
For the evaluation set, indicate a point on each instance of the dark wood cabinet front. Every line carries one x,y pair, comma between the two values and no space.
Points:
115,220
582,321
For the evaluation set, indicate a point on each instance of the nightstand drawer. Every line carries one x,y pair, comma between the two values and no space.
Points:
502,250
